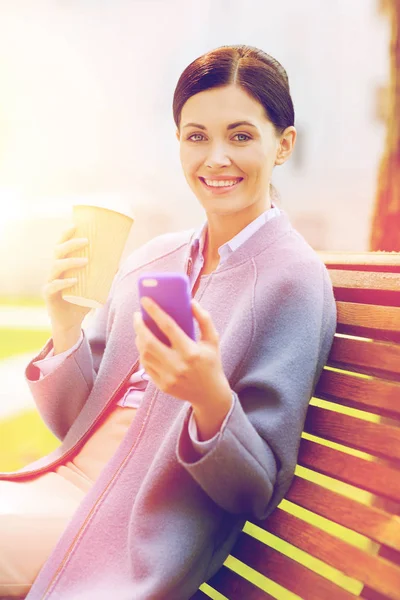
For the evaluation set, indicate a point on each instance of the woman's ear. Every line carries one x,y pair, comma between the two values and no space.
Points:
178,137
286,145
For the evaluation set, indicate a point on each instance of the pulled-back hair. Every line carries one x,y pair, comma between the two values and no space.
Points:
258,73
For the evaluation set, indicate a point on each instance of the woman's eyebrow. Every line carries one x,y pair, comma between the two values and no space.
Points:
230,126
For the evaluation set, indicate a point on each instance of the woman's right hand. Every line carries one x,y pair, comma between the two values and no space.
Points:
64,315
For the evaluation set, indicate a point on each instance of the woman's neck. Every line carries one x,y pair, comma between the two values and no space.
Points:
220,230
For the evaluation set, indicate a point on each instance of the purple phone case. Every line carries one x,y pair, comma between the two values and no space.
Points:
172,293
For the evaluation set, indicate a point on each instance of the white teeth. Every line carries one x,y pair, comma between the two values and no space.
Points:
221,183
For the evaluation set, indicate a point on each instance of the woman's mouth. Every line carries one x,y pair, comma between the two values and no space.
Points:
220,186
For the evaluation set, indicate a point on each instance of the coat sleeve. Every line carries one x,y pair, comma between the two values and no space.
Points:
250,467
61,394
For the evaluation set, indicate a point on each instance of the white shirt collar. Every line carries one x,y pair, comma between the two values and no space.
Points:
231,245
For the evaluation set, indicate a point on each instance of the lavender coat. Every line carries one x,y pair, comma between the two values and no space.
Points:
161,519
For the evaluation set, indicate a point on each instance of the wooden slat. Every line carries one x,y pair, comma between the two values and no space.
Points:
373,358
373,477
376,297
368,320
370,521
286,572
365,280
234,587
375,438
378,573
372,395
371,260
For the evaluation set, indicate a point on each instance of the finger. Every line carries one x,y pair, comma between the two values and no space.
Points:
64,264
147,357
55,286
153,374
167,324
149,343
207,328
65,248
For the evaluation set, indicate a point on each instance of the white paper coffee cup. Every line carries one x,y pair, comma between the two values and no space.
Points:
107,231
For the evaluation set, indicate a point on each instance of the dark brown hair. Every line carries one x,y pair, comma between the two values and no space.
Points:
258,73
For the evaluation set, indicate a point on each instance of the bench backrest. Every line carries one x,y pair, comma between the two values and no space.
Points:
337,534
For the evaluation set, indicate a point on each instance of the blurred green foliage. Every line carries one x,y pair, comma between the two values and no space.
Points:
23,439
19,341
30,301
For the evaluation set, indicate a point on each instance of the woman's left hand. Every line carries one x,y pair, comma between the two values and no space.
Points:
188,370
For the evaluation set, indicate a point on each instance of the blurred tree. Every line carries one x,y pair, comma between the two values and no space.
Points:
385,226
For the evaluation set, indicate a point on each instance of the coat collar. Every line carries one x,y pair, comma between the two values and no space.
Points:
258,241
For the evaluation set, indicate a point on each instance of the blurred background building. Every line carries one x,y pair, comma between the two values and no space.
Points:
86,108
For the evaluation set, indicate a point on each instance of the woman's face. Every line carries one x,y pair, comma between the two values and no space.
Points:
213,146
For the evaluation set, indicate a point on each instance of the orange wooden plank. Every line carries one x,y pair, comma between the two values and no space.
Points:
378,322
375,358
376,478
380,574
365,356
365,280
285,571
377,439
376,524
234,587
372,395
371,260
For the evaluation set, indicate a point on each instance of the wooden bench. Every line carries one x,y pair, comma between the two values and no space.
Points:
336,535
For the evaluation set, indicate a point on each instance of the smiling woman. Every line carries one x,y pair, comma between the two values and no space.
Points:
166,451
235,122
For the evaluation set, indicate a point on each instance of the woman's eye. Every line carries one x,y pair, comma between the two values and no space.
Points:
194,134
244,135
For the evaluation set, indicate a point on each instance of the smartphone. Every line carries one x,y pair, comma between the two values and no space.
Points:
171,291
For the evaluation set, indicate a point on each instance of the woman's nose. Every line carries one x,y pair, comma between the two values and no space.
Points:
217,157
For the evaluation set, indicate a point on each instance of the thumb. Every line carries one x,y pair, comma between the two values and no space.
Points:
207,329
